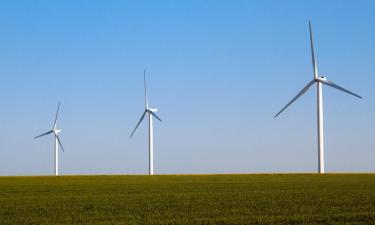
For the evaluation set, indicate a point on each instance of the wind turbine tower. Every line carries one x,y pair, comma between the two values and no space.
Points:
319,80
57,140
150,112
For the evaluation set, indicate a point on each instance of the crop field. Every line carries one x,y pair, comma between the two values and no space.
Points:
189,199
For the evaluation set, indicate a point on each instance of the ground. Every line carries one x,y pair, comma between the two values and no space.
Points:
189,199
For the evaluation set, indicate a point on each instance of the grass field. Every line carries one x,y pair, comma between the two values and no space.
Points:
189,199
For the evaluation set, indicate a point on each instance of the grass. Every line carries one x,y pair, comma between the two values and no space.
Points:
189,199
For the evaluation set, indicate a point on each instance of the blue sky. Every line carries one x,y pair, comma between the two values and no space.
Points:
218,72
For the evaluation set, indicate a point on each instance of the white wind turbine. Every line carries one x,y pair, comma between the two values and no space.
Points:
319,80
150,113
55,132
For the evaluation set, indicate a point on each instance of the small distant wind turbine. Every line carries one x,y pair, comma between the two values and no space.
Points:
150,113
319,80
55,132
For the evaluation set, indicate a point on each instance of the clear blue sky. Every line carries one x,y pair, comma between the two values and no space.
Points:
218,72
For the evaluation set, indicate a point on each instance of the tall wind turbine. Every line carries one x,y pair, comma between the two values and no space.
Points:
55,131
319,80
150,112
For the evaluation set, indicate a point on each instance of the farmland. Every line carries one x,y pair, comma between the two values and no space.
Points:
189,199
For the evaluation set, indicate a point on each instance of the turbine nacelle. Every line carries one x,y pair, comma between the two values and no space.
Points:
152,109
321,79
56,130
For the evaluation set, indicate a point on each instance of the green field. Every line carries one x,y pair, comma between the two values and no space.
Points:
189,199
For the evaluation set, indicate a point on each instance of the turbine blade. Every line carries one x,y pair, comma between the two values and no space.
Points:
57,113
44,134
313,52
143,116
145,84
329,83
303,91
58,140
152,113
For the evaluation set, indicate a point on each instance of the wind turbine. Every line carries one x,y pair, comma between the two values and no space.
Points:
55,132
150,112
319,80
